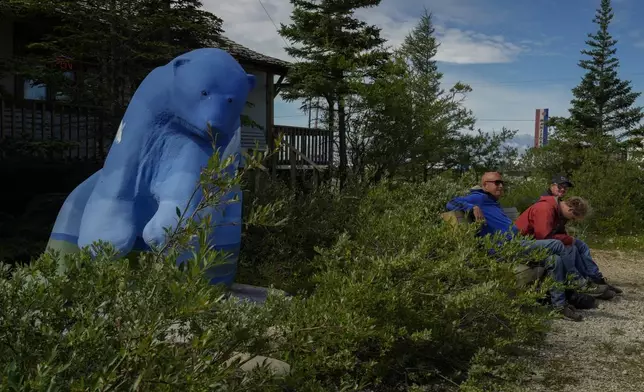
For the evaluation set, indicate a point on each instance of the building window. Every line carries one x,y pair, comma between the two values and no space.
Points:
69,75
37,92
40,92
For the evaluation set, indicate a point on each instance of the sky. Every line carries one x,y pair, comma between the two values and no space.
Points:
517,56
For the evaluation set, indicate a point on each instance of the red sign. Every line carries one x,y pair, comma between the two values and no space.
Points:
64,62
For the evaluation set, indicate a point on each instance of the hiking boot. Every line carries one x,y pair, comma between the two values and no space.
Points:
568,312
608,294
581,301
595,289
603,281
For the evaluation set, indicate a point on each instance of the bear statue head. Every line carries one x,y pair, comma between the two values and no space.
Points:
210,88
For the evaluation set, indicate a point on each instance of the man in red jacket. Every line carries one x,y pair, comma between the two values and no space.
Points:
546,219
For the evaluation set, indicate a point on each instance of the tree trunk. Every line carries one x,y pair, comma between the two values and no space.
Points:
377,177
342,135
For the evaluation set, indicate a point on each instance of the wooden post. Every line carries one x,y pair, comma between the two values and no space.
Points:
293,164
316,180
292,159
2,127
42,121
330,141
33,119
270,121
304,142
23,121
258,173
13,118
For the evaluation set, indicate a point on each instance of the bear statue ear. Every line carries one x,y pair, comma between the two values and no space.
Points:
178,63
252,81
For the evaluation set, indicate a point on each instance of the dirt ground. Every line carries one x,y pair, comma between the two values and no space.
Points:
605,352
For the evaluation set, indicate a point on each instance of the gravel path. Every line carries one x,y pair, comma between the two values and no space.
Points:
605,352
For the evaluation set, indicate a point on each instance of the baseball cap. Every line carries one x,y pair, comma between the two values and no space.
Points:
562,180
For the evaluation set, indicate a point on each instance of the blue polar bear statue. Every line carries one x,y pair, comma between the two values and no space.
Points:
155,162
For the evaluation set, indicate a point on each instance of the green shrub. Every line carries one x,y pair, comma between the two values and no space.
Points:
112,325
409,301
282,253
391,298
615,190
522,193
613,186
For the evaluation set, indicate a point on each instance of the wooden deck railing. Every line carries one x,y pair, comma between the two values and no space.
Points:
73,132
314,144
58,130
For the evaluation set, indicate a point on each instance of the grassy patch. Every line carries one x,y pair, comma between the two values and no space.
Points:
624,243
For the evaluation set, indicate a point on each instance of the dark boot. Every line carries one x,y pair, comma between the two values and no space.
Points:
596,290
570,313
581,301
603,281
607,295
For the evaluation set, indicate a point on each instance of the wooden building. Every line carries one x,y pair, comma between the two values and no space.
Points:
32,112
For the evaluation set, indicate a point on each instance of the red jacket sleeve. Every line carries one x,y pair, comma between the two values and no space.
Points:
543,220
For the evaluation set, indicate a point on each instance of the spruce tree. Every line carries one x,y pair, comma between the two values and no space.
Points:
603,108
114,43
438,114
333,50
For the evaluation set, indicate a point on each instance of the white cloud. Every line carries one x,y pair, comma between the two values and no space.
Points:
246,22
464,47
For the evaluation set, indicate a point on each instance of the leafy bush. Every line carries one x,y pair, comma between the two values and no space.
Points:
282,253
77,322
522,193
114,325
409,301
394,299
615,189
613,185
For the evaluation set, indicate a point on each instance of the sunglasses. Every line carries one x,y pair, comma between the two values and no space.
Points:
497,182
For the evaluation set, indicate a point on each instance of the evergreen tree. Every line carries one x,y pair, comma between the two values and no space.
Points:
334,50
438,115
603,108
380,132
113,44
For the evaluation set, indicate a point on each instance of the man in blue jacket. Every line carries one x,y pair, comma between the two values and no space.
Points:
483,203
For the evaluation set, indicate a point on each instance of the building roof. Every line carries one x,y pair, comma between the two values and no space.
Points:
250,57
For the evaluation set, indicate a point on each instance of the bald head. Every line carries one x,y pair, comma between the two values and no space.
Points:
490,176
492,183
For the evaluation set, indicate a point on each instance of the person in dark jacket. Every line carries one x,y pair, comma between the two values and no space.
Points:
558,187
483,203
547,219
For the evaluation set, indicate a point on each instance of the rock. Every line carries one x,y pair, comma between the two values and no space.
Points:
276,366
